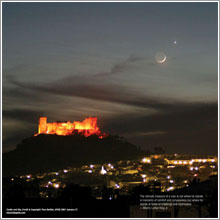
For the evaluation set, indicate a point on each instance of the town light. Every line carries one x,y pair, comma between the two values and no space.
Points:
103,171
143,175
117,186
146,160
170,188
56,185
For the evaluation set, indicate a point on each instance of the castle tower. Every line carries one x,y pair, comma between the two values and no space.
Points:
42,127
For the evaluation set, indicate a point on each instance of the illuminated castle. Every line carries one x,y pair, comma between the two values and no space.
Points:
87,127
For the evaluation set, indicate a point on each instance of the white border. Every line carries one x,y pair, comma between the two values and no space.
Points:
107,2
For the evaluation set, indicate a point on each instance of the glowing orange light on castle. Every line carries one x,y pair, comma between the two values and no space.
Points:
87,127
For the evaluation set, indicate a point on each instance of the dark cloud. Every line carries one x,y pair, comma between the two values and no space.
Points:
177,118
184,125
23,124
190,128
90,88
121,66
28,116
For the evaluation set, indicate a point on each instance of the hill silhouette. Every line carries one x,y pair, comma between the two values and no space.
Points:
45,153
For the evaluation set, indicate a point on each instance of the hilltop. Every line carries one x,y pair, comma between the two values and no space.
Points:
43,153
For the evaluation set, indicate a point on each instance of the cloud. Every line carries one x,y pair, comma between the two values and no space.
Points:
94,89
18,124
192,128
28,116
176,118
185,125
121,66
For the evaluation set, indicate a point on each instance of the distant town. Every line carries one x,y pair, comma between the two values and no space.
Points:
170,171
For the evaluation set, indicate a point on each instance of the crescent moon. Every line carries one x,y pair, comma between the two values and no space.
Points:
160,57
163,60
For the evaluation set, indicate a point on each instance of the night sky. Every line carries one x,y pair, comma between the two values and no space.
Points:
68,61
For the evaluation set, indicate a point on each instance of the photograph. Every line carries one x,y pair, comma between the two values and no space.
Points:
109,109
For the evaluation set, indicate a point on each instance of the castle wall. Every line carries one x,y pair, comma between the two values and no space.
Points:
42,127
87,127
